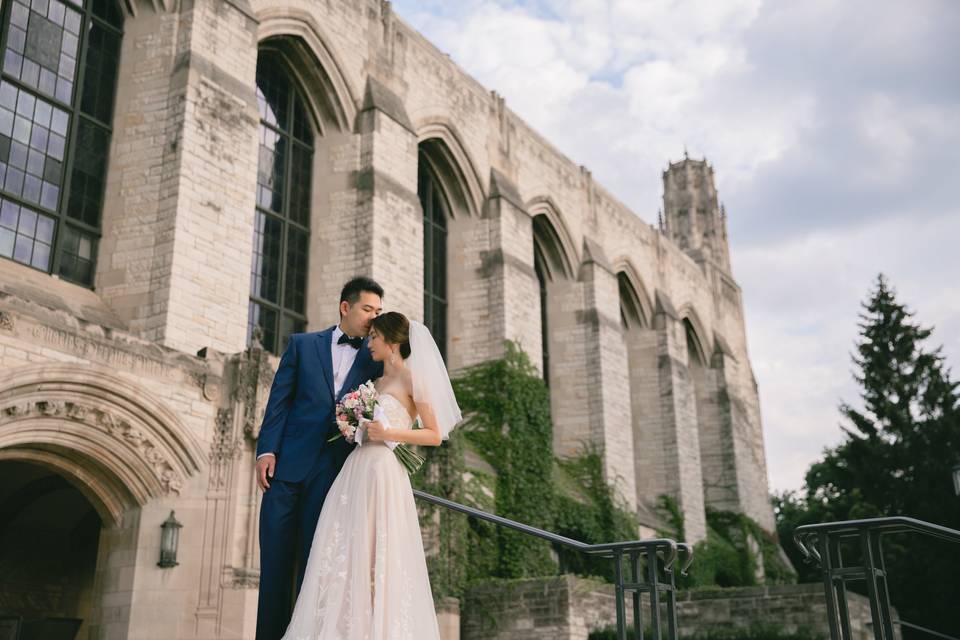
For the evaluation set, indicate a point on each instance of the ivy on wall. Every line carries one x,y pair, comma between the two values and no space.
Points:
587,510
508,423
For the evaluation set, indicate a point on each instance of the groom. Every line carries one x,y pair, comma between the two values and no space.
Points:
295,463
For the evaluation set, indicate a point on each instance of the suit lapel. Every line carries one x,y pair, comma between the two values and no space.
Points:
359,365
324,350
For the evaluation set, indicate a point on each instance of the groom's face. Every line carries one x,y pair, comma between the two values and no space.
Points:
356,317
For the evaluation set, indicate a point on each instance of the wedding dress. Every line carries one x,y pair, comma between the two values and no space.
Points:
366,577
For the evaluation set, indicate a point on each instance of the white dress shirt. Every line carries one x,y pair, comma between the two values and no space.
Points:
343,357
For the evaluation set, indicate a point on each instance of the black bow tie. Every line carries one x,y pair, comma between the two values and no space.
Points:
356,343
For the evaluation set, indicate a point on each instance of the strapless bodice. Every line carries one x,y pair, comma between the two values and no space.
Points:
396,412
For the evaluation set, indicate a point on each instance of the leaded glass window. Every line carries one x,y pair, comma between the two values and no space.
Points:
278,276
435,213
57,87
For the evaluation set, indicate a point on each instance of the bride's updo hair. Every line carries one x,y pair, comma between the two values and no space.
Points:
394,328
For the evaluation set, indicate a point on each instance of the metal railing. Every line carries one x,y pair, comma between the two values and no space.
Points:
658,579
821,543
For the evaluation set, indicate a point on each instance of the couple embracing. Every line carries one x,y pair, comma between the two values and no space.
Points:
340,516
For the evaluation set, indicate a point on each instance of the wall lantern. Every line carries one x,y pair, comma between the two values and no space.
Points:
956,478
169,540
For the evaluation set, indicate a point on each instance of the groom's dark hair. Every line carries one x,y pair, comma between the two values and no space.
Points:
352,290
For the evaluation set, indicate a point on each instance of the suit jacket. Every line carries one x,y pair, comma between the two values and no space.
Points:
299,417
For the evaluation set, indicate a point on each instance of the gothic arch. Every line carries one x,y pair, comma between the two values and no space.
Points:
695,327
98,484
313,61
109,435
450,162
624,268
551,236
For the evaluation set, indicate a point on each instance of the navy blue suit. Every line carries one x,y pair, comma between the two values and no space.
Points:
299,419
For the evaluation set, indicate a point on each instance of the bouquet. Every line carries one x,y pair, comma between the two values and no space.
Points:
362,405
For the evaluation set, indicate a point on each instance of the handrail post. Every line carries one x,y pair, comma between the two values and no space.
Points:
877,613
840,583
653,581
826,565
621,612
672,604
637,602
885,593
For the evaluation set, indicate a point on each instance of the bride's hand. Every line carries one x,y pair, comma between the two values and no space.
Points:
375,431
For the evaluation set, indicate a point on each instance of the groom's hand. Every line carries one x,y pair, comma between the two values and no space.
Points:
265,470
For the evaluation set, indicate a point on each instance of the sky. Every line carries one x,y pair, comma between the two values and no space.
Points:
833,127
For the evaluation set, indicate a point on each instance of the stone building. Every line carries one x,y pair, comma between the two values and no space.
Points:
177,177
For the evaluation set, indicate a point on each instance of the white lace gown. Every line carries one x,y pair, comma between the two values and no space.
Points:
366,577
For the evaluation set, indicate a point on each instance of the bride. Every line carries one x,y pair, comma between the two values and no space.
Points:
366,577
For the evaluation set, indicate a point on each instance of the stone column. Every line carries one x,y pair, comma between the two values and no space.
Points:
720,488
649,464
174,261
507,267
386,234
607,379
744,461
469,310
672,454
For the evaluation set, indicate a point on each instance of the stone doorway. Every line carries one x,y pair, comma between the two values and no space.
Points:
49,538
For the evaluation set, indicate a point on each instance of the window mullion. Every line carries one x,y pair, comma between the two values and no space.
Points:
285,216
70,155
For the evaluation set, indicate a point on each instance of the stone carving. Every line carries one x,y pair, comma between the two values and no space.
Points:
116,426
210,389
6,321
254,376
224,449
15,410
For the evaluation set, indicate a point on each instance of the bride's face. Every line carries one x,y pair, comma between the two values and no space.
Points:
379,348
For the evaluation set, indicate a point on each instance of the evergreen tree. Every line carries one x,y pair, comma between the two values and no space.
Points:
896,459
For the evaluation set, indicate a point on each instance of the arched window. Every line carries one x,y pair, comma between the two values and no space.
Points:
435,215
539,266
57,91
553,274
278,277
695,351
631,312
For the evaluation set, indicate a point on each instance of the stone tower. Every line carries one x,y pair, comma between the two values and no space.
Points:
692,217
725,402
